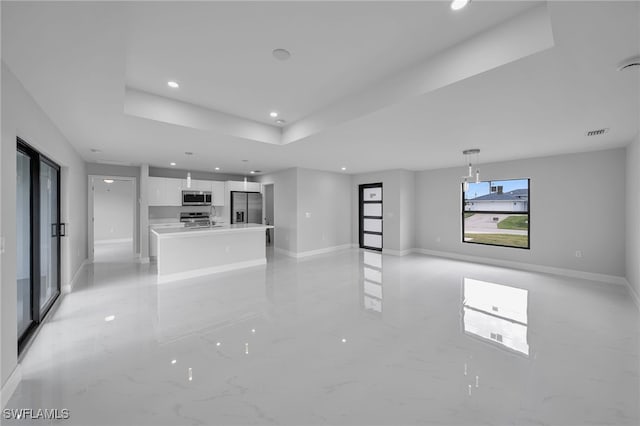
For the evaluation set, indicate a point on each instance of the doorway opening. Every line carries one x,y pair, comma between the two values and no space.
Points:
269,212
370,213
112,217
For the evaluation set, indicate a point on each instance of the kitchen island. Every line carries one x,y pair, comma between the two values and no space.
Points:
191,252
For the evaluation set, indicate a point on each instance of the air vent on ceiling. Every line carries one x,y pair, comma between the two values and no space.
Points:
597,132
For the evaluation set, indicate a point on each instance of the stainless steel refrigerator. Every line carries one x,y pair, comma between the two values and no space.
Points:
246,207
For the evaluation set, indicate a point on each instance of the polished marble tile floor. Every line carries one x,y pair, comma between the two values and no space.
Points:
347,338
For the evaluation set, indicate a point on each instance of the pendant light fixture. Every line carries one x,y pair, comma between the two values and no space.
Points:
189,180
471,176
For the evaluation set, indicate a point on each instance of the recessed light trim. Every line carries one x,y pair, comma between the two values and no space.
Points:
217,168
343,168
281,54
173,84
459,4
172,164
273,114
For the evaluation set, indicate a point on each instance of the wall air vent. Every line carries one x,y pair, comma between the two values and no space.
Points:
597,132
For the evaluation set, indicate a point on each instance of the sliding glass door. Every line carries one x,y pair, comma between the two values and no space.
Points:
23,234
49,235
38,237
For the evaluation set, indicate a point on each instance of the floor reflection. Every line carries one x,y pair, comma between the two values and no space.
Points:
496,313
372,282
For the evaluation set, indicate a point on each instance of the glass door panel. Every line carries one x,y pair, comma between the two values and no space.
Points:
371,216
49,238
23,234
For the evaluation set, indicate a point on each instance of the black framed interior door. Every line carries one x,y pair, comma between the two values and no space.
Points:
38,238
370,212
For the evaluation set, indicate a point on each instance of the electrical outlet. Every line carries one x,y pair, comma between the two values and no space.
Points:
578,253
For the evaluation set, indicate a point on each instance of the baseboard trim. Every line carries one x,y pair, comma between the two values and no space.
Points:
397,252
591,276
10,385
322,250
68,288
113,241
313,252
634,295
212,270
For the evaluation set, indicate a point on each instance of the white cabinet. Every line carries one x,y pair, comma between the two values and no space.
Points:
217,197
153,238
165,192
244,186
168,191
196,185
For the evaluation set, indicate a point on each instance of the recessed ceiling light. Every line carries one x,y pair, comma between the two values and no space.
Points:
109,318
172,163
343,169
273,114
252,172
217,168
281,54
280,121
173,84
173,361
108,180
459,4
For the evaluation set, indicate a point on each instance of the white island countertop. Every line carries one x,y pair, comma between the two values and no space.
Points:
223,229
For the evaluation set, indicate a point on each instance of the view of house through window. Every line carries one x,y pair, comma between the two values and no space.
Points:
496,213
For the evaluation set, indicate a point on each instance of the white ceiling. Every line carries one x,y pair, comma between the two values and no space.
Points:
77,58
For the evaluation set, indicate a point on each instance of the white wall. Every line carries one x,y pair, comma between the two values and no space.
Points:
324,210
398,208
114,210
577,203
21,116
633,215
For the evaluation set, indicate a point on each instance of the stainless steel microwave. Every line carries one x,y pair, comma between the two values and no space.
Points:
196,198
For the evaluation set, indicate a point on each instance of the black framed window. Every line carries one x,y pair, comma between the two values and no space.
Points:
497,213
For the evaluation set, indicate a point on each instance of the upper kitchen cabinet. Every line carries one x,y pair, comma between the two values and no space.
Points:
165,191
217,197
197,185
244,186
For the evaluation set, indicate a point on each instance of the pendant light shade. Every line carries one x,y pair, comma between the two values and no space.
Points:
471,176
189,180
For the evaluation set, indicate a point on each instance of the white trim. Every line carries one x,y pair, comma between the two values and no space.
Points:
68,288
114,240
397,252
211,270
634,295
11,385
610,279
303,254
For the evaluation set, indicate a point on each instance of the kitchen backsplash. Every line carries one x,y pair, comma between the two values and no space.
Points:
171,212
